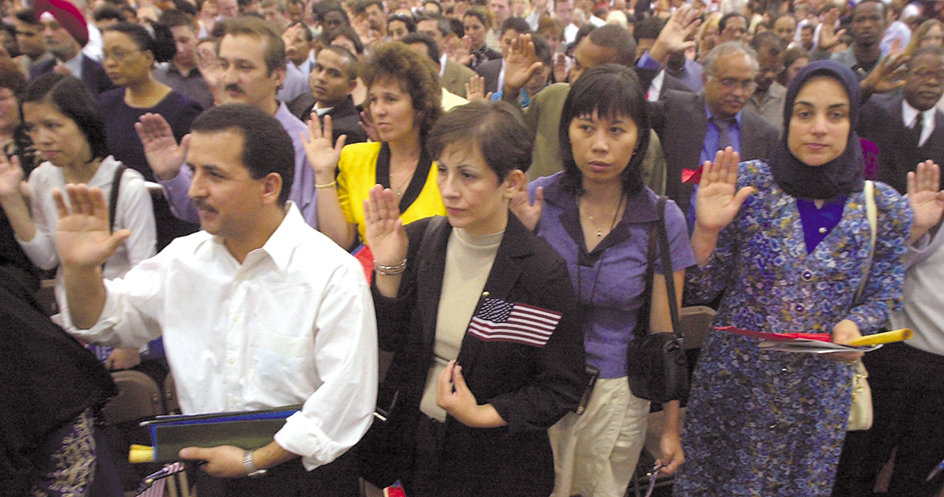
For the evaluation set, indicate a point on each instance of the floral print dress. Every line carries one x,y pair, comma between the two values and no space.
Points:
770,423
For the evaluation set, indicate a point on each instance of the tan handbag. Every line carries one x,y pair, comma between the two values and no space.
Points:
860,413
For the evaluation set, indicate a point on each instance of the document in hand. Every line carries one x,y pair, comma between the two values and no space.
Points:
244,429
818,343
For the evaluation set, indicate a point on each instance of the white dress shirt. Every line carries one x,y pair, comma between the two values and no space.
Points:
909,115
294,323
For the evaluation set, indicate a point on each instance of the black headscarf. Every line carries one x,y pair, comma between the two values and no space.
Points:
840,176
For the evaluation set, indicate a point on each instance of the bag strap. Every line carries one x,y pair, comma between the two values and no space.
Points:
667,271
113,197
656,233
871,211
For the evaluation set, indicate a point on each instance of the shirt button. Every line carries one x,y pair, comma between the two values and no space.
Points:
822,231
800,308
807,275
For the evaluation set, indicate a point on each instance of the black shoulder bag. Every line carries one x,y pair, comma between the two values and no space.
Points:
655,363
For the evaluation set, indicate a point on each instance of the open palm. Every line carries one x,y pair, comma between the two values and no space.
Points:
718,199
927,202
82,233
383,227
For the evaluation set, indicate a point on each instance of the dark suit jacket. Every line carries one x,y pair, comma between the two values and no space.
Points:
93,75
881,122
455,76
531,387
670,83
680,121
490,71
345,118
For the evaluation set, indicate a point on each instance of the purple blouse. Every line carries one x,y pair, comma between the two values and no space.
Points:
609,281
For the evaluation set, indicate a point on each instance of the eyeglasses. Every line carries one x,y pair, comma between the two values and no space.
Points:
729,84
119,55
922,75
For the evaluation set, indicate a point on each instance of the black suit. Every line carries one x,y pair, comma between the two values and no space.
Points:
93,75
345,118
680,121
490,71
881,122
530,387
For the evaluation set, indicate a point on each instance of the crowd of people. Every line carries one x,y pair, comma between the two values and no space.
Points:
432,225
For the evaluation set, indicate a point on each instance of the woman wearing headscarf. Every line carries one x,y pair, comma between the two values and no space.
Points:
788,243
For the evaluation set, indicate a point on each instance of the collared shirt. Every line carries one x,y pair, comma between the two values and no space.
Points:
655,88
294,323
713,135
294,85
191,84
690,75
610,280
442,64
909,115
303,187
75,65
770,105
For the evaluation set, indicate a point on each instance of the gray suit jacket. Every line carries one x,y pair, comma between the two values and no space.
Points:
681,123
455,76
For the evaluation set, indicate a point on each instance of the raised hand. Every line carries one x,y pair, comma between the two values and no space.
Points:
322,156
475,89
11,176
461,51
521,64
828,36
528,213
83,236
383,227
367,124
677,35
927,202
163,154
886,76
718,199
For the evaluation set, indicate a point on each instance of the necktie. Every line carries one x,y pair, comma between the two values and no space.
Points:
724,139
917,130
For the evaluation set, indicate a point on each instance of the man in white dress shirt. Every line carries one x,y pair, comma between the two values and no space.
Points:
257,311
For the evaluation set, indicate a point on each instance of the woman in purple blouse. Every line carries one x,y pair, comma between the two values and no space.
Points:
597,214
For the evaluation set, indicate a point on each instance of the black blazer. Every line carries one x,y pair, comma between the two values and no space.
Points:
93,74
881,122
680,121
345,118
531,387
490,71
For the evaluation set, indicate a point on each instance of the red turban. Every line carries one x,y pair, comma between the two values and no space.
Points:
68,16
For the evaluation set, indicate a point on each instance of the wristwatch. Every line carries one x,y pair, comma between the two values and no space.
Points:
251,470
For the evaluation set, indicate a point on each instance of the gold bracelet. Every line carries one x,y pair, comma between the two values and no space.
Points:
329,185
390,270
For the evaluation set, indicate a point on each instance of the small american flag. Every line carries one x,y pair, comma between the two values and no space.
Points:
153,485
497,320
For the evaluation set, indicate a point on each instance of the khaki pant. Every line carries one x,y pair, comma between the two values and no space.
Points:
595,454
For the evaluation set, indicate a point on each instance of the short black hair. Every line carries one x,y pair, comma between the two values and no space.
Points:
443,24
610,90
175,18
938,51
516,23
351,64
648,28
159,40
26,16
267,148
361,7
494,126
106,12
405,19
349,33
457,27
617,38
71,97
431,48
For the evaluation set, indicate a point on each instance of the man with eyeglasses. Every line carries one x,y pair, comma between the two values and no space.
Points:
907,378
696,126
768,98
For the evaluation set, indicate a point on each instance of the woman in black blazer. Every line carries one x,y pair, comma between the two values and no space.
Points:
481,316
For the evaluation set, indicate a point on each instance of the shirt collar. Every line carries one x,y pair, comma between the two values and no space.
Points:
909,113
737,117
640,207
280,245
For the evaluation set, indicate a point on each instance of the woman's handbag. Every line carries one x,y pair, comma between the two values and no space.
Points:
860,412
655,363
